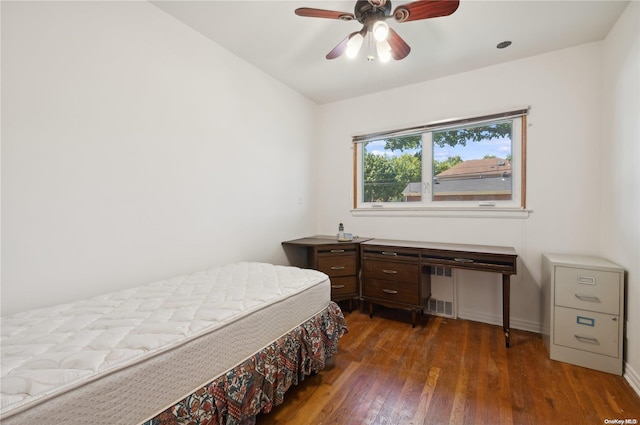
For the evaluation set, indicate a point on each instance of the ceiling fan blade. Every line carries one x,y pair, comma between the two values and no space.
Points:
425,9
399,48
340,48
321,13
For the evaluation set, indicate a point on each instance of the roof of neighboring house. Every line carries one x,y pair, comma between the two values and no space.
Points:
477,167
414,188
486,184
473,185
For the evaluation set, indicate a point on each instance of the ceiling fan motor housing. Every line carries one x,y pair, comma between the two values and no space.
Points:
365,10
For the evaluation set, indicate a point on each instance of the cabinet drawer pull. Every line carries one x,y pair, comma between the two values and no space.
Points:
390,253
591,298
390,271
337,267
587,280
337,251
337,286
588,339
463,260
389,291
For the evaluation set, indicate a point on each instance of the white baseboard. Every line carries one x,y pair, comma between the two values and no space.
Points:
514,322
632,377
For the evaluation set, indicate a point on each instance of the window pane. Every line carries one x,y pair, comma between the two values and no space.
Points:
392,170
473,163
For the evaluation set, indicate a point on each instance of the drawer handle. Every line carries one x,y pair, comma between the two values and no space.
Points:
336,251
587,280
337,286
337,267
390,271
588,339
463,260
390,253
389,291
590,298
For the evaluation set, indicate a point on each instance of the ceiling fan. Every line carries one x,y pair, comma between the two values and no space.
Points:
381,40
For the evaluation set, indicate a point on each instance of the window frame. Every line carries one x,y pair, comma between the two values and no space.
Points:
427,205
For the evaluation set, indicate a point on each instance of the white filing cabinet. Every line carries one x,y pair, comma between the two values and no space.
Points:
583,311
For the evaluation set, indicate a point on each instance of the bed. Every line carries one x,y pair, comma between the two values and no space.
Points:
217,346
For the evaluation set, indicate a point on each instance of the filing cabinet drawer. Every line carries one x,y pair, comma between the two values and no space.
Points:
586,330
586,289
338,265
344,286
392,270
405,293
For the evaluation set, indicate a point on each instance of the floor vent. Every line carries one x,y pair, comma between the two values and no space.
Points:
440,308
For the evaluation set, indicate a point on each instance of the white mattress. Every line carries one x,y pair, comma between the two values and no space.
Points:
123,357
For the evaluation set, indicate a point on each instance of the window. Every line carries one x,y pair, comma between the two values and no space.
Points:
390,167
471,163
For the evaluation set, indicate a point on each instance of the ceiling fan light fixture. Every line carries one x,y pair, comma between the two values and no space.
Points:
353,45
384,51
380,30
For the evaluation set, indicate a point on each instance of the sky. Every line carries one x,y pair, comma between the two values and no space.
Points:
475,150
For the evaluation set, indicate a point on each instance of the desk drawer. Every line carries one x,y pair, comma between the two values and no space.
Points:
341,286
405,293
395,253
586,289
586,330
339,265
391,270
345,249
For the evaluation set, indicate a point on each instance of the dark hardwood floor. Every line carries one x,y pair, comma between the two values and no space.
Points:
447,371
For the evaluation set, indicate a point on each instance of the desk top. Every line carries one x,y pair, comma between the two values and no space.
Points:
485,249
322,240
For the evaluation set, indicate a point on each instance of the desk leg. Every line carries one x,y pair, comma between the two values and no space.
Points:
506,300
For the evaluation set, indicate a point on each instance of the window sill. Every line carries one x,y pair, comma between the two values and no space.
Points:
517,213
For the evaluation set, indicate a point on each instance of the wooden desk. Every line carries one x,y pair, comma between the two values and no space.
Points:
377,254
339,260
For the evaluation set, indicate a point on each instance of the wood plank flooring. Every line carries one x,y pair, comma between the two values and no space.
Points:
447,371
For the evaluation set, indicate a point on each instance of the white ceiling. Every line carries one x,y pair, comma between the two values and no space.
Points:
292,49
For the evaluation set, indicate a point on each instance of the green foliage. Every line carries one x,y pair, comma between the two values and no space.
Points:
440,166
386,177
472,134
452,137
404,143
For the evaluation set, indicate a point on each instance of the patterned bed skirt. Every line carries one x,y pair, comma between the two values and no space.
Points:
259,383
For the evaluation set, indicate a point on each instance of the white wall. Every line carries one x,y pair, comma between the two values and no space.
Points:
134,149
564,168
621,177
